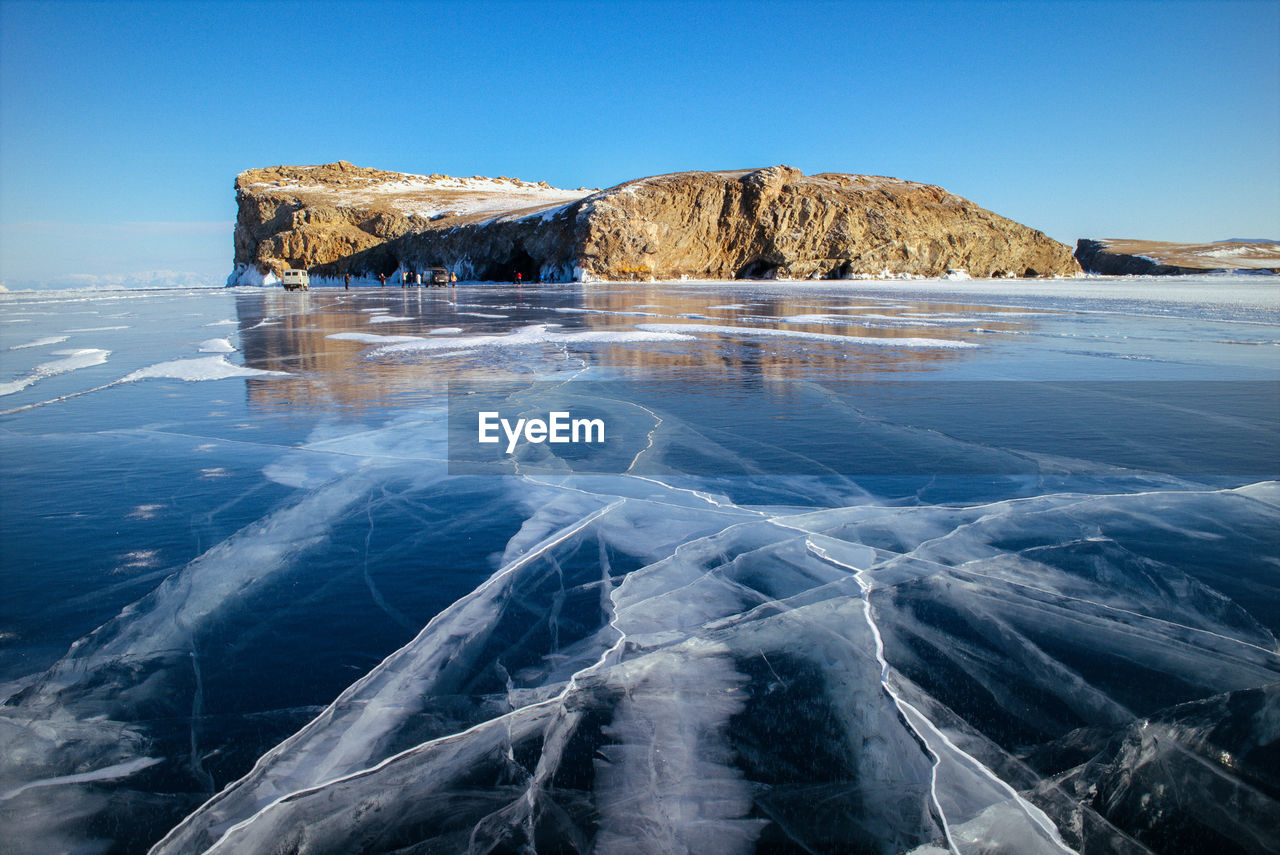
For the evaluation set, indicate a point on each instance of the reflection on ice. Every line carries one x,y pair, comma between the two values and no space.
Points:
733,330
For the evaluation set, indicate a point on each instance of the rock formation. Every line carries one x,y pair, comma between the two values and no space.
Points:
1158,258
767,223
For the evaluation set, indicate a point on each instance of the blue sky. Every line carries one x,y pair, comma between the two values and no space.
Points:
123,125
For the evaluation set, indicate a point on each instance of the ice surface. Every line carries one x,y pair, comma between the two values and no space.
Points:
676,646
679,658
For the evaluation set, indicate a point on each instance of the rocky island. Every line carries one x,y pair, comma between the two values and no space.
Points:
766,223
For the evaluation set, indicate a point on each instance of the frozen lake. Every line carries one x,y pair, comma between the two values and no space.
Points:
921,567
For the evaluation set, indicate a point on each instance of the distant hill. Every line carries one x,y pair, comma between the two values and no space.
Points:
1148,257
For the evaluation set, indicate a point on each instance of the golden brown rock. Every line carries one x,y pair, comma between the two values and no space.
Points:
765,223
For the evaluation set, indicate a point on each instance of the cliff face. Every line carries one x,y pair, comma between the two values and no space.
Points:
778,222
765,223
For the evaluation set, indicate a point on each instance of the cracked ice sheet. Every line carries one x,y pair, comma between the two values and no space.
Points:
676,663
726,611
74,725
666,709
379,715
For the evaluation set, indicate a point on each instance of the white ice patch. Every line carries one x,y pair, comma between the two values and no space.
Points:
71,361
446,331
40,342
580,311
216,345
248,275
663,784
107,773
535,334
194,370
387,319
373,338
718,329
814,319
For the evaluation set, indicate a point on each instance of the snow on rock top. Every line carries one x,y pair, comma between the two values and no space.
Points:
426,196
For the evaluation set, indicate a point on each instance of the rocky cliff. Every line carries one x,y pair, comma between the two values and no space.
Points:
1159,258
767,223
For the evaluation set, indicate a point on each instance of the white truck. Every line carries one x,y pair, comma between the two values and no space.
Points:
296,280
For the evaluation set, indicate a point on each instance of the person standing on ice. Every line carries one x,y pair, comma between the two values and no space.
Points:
346,281
382,280
453,279
519,278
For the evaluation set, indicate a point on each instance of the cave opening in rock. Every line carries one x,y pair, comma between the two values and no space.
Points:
758,269
840,271
519,262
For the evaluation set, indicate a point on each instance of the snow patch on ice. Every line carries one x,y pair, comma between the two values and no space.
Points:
195,370
720,329
72,360
106,773
373,338
216,345
536,334
40,342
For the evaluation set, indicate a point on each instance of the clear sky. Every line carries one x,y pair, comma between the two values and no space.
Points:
123,125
